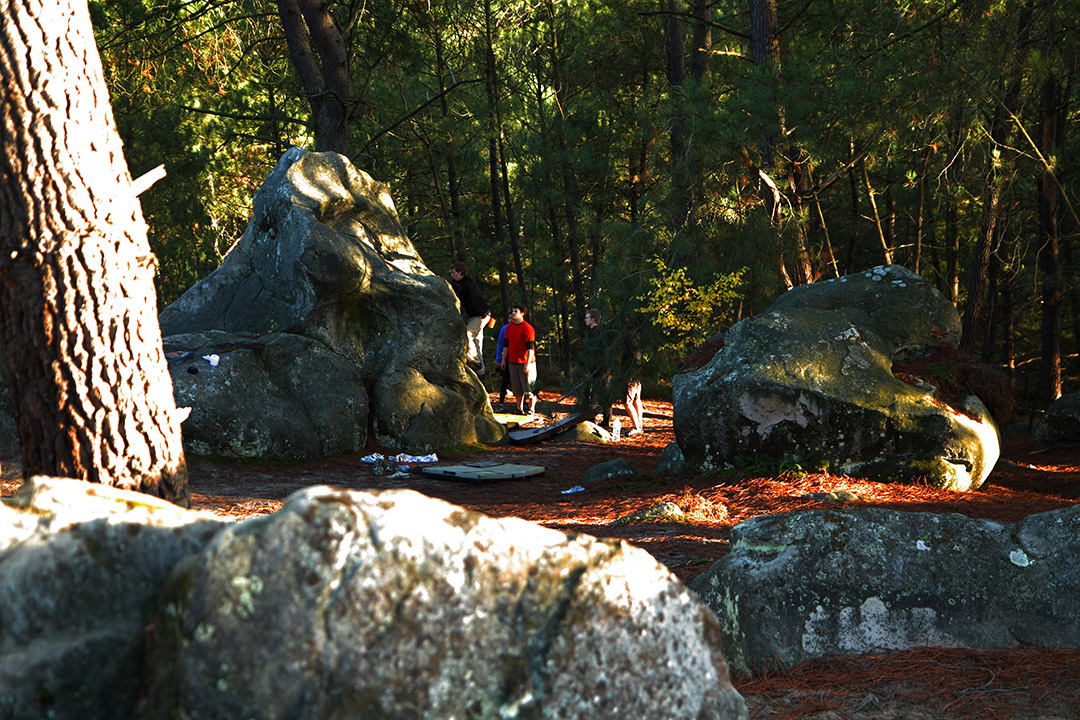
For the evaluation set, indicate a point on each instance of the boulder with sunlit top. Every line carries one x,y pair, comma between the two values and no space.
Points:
812,381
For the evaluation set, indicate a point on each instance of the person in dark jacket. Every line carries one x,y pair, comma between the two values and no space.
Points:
613,381
474,309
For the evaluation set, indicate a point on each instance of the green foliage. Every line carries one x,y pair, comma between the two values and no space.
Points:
909,89
765,466
683,312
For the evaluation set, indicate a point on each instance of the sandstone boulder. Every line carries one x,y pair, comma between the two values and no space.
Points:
811,380
617,468
823,582
392,605
81,566
325,258
276,395
1061,423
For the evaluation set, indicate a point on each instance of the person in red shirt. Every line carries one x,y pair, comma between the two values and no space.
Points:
519,356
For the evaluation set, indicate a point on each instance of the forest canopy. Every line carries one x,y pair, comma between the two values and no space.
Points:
640,157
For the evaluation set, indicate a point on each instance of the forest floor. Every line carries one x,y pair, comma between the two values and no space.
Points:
918,684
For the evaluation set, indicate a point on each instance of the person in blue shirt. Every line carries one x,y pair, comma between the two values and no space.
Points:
500,366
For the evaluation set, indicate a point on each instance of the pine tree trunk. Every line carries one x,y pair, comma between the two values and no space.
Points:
326,82
1000,133
78,316
457,242
952,247
682,202
1050,363
569,182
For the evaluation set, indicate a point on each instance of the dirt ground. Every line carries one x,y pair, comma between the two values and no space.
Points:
924,683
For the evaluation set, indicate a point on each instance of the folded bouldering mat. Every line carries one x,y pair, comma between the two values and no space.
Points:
483,471
544,432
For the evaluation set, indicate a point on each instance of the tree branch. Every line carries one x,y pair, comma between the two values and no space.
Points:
249,118
695,18
415,112
820,187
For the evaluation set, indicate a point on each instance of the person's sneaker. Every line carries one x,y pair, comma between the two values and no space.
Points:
635,432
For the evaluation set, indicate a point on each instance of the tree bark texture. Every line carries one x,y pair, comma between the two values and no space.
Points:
765,52
78,316
327,87
679,141
702,40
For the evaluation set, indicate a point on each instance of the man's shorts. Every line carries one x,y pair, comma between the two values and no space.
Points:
521,380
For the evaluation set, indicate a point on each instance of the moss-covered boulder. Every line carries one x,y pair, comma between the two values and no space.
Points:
809,584
392,605
1061,423
326,258
277,395
812,380
81,566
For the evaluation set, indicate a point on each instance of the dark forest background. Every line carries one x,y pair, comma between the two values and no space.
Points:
673,163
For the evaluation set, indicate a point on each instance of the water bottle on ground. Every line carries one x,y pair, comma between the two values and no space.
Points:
616,429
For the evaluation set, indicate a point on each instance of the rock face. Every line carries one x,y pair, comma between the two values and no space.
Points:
392,605
1062,421
811,380
325,258
81,566
823,582
278,395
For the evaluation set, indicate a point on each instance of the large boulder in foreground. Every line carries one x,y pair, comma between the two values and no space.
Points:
393,605
81,566
811,380
823,582
326,258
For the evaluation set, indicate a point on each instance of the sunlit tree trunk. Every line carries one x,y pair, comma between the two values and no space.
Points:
78,316
856,214
886,251
920,214
952,252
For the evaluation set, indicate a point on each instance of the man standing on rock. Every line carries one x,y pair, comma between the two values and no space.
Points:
475,311
519,356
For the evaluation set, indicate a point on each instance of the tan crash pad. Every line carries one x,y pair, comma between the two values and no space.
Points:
483,471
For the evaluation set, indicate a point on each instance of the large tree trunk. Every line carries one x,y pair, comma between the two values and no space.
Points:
78,316
765,52
702,41
326,82
681,192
